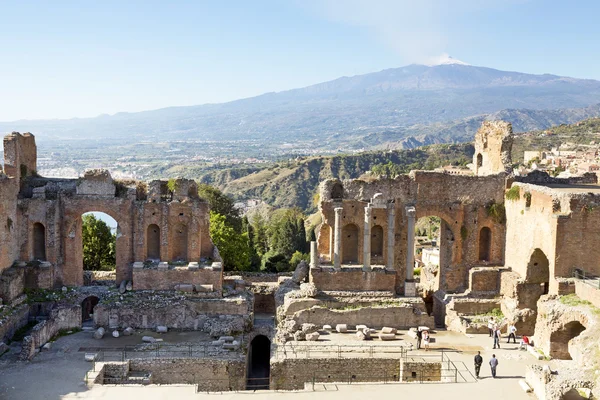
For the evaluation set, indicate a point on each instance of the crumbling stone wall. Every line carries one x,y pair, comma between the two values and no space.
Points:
13,319
353,278
169,279
493,146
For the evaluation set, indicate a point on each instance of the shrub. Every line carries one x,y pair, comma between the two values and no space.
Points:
513,194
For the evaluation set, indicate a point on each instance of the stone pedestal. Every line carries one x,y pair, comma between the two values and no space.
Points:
337,238
367,240
410,289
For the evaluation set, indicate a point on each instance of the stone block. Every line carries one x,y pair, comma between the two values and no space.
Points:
217,266
412,333
532,350
138,265
116,333
217,342
361,327
341,328
363,334
148,339
162,266
47,346
129,286
99,334
45,264
184,287
128,331
387,329
193,266
526,388
387,336
230,346
161,329
226,338
410,289
312,337
204,288
327,328
90,356
424,328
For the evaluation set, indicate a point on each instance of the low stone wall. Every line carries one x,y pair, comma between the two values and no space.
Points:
353,278
588,292
167,279
484,279
61,318
14,319
402,316
292,374
208,374
420,371
12,284
210,315
461,314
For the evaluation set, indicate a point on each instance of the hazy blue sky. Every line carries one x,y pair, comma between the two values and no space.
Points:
61,59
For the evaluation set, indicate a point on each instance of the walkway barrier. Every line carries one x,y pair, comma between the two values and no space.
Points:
586,277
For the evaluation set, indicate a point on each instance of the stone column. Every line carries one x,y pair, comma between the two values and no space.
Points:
314,255
337,238
367,240
391,235
409,284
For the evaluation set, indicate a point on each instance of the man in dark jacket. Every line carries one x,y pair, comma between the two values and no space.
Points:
419,337
478,362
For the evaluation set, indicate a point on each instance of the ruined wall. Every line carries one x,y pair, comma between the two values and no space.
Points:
353,278
12,319
588,292
158,279
62,318
493,145
12,283
20,155
291,374
9,245
484,279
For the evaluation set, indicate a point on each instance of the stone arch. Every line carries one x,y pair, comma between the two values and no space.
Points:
87,307
259,363
479,160
376,241
350,244
485,244
180,243
538,269
337,191
153,242
560,338
39,242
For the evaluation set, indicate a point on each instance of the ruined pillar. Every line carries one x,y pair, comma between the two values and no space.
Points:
337,238
410,287
367,240
314,255
391,235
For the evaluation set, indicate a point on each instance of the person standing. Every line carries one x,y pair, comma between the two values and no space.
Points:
512,330
497,337
493,365
491,325
426,340
478,361
419,337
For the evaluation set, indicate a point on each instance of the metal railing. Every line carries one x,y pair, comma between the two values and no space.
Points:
302,350
586,277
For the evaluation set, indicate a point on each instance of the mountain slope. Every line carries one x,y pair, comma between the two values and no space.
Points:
401,100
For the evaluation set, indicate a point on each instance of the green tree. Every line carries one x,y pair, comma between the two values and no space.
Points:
260,236
233,246
297,257
221,204
98,244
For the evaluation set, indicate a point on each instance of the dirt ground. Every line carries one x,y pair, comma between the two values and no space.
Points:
59,373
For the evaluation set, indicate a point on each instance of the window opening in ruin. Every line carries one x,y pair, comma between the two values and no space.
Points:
39,242
337,191
538,270
153,242
559,340
99,232
377,241
485,244
479,160
264,309
572,394
87,308
180,243
350,244
259,363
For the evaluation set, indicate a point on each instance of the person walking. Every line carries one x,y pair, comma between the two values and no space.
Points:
493,365
497,335
419,337
512,330
478,361
491,325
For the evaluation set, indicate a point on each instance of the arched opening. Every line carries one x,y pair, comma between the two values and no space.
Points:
87,308
377,241
572,394
479,160
350,244
259,363
337,191
99,241
559,340
153,242
180,243
39,242
485,244
538,270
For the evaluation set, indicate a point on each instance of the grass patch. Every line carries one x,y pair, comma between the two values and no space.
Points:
22,331
496,212
513,194
573,300
417,271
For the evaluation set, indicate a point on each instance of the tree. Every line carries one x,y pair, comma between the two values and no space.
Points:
260,236
98,244
221,204
233,246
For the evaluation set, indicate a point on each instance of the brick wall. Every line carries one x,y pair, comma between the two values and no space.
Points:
482,279
353,278
156,279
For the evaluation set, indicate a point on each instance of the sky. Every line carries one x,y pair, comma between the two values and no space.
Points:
65,59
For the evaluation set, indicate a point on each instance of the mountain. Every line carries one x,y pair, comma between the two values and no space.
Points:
398,103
